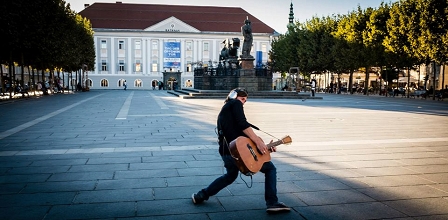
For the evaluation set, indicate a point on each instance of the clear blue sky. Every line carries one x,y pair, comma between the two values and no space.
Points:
274,13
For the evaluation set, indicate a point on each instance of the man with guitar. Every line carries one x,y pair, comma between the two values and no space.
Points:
232,124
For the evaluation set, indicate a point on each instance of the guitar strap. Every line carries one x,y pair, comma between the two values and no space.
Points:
221,138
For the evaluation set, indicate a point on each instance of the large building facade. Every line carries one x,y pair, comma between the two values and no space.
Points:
147,45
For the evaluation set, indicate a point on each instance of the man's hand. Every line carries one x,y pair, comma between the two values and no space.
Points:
262,148
272,149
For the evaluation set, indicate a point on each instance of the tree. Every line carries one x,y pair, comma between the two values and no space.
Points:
349,45
45,35
398,42
433,34
374,35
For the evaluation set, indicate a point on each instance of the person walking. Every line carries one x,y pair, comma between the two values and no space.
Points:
125,85
232,124
313,86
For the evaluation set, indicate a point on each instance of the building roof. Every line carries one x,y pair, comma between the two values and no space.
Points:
141,16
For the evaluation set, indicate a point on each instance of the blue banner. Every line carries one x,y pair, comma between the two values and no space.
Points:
259,58
171,55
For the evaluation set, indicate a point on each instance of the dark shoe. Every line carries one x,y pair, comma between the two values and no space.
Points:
278,207
197,198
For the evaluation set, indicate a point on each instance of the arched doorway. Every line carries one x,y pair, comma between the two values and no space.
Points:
171,83
171,80
155,84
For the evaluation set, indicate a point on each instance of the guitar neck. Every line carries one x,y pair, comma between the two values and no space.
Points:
273,144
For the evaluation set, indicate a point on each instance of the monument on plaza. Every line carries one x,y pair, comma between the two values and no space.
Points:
246,30
233,70
247,60
229,53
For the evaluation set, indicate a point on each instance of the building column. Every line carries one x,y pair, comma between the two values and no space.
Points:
144,55
113,56
161,47
128,59
183,58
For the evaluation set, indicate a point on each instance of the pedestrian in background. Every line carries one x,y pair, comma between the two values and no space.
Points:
313,86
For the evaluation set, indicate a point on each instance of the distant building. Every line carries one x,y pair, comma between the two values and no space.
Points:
142,43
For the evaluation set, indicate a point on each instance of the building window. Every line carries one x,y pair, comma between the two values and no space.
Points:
189,66
205,46
104,83
189,45
155,45
138,66
121,45
138,49
154,48
154,67
121,65
103,65
264,48
103,44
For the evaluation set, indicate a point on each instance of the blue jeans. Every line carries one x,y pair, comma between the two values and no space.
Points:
270,182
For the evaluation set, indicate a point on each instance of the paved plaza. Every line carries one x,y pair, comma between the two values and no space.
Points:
141,154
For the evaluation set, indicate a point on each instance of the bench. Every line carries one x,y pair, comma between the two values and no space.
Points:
400,92
418,93
343,90
396,92
24,91
441,95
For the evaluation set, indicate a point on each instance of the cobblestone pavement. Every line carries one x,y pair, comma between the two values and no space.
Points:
141,154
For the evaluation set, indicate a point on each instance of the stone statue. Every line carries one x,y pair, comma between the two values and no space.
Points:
230,49
246,30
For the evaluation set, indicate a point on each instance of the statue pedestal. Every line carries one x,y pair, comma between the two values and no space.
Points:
247,63
247,77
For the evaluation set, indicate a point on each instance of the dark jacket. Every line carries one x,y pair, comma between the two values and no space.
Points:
231,123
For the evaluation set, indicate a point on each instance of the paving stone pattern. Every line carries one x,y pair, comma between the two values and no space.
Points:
141,154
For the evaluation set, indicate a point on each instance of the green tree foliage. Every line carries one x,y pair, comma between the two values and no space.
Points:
433,25
403,34
399,38
349,35
317,44
45,34
284,55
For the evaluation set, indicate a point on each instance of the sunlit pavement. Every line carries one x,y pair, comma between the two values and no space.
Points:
141,154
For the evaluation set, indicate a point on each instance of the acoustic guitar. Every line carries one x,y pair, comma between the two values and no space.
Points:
247,156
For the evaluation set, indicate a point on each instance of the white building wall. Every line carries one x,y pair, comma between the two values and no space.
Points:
147,75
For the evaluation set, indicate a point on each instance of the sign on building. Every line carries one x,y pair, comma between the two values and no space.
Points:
171,55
